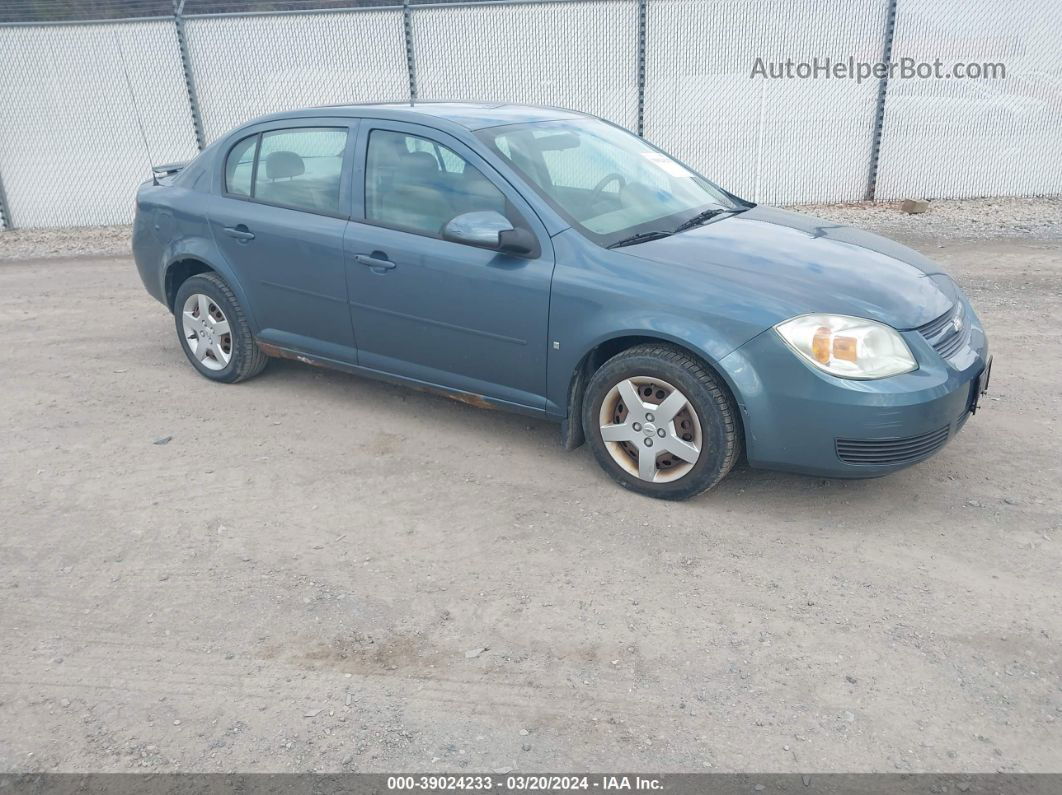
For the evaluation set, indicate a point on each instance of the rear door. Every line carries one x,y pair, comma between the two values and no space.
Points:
280,221
444,313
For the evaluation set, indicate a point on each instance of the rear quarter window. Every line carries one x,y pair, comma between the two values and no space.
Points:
239,167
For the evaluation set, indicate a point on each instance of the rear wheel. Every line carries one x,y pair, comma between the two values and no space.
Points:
660,423
214,331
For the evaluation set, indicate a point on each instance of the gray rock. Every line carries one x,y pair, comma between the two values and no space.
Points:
914,206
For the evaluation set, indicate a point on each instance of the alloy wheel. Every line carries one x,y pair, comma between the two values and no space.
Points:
206,331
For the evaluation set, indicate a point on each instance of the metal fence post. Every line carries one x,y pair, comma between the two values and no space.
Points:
411,60
643,10
879,113
5,215
189,79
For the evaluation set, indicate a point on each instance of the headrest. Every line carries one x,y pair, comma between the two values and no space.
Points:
419,163
280,165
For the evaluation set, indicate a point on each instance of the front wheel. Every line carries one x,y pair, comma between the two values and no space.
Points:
661,423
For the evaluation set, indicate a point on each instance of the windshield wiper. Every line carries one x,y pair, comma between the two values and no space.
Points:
640,237
701,218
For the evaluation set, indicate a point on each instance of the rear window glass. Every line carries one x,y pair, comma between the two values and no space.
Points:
301,168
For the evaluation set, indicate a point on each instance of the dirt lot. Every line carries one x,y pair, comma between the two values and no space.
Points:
319,572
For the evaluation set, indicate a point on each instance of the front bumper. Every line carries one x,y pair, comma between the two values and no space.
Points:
799,419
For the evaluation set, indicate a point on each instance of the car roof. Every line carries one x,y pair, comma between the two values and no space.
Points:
470,115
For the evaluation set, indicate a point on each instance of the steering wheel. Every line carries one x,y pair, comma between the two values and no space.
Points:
613,177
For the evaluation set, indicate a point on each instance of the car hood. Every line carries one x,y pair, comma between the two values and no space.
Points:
795,264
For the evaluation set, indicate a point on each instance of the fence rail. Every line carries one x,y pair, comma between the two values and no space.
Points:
88,104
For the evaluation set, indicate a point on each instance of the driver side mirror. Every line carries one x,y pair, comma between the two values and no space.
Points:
489,229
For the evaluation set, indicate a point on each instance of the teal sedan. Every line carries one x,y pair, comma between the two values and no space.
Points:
544,261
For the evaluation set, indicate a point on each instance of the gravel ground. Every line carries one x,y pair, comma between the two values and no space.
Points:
86,241
312,571
969,219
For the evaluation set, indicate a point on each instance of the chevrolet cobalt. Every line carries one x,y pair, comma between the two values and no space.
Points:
548,262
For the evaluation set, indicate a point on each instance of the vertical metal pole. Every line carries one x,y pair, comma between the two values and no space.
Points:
189,79
643,10
879,111
5,215
411,60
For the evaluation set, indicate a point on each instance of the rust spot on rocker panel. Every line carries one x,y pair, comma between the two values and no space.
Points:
477,401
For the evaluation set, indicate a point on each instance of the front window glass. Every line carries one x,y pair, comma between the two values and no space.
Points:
301,168
416,184
604,180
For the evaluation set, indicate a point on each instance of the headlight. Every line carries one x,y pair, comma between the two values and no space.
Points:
848,347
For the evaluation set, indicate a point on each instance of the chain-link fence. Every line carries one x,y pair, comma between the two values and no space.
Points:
580,55
86,105
74,98
247,65
776,141
1000,137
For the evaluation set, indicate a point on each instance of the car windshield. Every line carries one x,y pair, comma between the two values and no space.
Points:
606,182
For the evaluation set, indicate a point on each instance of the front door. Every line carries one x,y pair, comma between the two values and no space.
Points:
280,223
444,313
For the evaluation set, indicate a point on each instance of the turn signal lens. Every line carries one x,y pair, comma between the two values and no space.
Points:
821,344
848,347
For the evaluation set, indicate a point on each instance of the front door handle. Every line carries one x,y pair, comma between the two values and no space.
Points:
374,262
240,232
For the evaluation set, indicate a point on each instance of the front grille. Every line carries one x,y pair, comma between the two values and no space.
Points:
887,452
947,333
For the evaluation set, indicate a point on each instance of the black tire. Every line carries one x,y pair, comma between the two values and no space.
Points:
708,397
247,359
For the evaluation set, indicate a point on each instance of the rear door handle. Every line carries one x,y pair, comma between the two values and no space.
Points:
240,232
375,263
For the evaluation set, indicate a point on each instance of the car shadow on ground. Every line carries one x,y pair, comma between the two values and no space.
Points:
534,435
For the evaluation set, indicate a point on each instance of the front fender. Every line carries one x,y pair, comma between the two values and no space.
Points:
600,297
566,371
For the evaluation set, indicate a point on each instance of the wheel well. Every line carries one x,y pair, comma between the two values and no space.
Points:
178,273
609,348
573,425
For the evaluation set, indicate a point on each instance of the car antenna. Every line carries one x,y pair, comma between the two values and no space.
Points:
136,111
